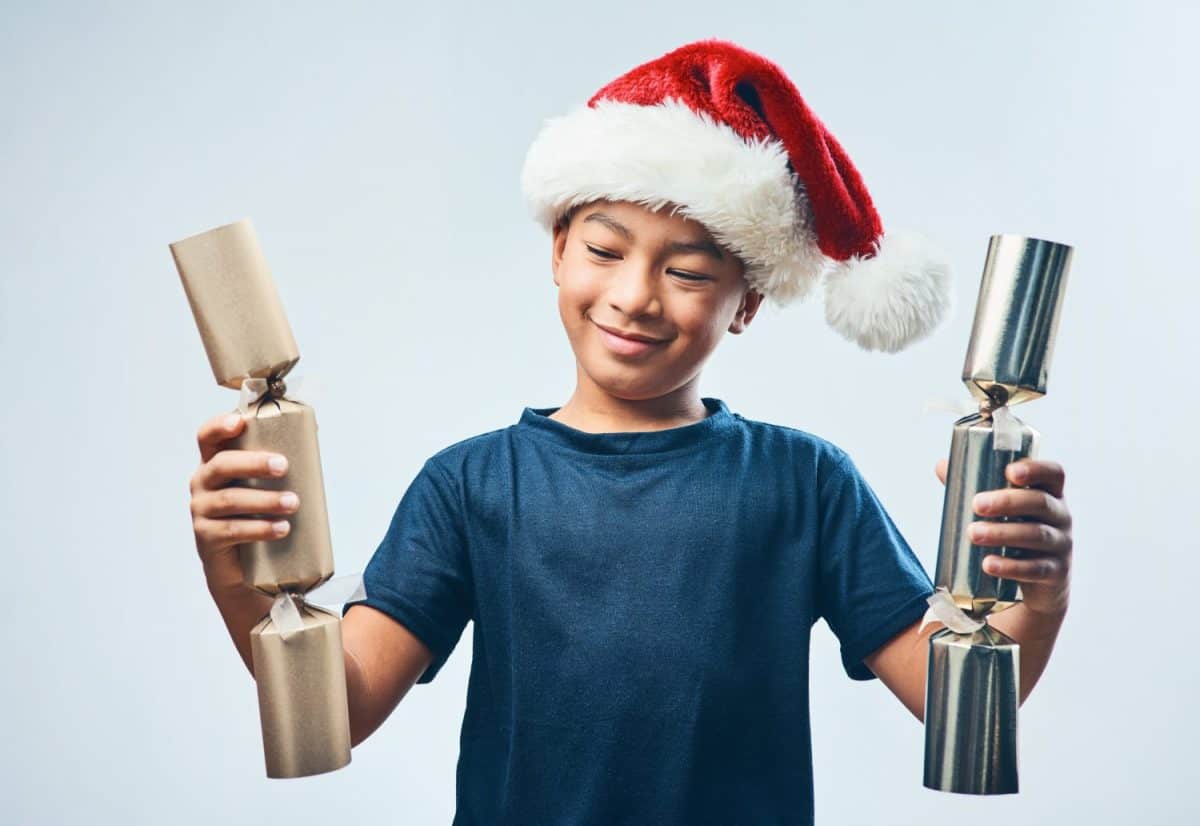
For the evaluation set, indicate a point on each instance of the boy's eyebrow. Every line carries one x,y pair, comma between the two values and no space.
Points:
703,247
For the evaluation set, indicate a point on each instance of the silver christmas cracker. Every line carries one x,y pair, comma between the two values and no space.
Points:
973,681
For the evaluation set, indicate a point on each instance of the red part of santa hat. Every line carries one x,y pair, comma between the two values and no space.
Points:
722,134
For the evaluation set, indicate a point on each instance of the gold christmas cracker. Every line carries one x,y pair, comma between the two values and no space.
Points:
296,650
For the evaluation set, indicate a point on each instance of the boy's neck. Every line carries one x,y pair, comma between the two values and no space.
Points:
593,410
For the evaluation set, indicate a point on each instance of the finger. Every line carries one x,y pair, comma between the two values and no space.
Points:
229,465
1038,504
217,430
1033,536
239,501
1038,473
227,532
1042,569
939,469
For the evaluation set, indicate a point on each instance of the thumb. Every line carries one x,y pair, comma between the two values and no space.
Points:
939,468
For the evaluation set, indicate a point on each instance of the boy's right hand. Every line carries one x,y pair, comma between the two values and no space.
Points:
225,515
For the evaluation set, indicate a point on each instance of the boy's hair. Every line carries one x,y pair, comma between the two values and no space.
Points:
564,220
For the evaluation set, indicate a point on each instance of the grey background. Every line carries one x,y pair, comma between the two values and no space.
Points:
377,149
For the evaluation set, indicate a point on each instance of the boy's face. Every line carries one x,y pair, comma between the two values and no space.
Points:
621,266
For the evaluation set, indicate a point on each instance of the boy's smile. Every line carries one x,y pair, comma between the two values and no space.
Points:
628,344
645,297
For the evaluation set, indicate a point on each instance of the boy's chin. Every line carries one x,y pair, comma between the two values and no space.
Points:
632,382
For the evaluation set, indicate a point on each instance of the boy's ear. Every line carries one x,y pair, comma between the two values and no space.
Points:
751,301
556,249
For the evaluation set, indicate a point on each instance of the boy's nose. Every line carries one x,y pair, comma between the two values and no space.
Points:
634,291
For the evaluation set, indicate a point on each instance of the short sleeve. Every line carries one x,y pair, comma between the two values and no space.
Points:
872,584
420,575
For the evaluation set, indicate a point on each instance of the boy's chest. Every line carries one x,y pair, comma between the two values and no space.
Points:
653,594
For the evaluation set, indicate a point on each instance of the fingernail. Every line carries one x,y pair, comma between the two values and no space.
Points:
289,500
231,422
975,530
989,564
280,527
277,463
1019,472
984,501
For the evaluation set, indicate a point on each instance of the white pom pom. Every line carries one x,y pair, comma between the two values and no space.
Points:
891,299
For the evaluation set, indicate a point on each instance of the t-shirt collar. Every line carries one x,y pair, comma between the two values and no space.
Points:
536,422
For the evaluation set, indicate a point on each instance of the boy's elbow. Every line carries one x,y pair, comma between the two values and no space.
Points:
383,661
362,720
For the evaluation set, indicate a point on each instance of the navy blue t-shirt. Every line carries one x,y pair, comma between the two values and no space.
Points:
642,604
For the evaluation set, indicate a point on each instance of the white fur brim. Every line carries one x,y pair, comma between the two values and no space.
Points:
747,197
742,192
892,299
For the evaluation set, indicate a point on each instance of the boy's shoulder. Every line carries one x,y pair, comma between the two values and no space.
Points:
470,446
795,439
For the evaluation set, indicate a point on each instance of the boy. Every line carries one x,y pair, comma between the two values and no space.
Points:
643,565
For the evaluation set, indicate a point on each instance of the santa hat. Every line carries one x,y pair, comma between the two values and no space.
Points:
723,134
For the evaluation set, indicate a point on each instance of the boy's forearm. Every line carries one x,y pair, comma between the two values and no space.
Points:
1035,633
241,608
903,665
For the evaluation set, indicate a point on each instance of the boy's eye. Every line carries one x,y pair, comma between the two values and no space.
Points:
679,273
601,253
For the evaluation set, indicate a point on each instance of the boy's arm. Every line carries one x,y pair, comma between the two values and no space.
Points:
383,659
902,662
1043,571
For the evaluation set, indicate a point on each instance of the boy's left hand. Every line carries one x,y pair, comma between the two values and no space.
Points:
1045,539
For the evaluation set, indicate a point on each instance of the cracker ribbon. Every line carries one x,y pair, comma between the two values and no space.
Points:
333,592
943,609
254,389
1006,429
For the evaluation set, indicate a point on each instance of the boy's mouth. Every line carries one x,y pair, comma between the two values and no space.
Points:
624,345
629,336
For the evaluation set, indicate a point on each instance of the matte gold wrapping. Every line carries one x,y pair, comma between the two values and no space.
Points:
975,466
302,695
971,712
304,558
235,303
301,679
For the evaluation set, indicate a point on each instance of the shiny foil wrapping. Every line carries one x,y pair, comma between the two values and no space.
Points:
300,675
973,686
971,713
302,695
975,465
1016,318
